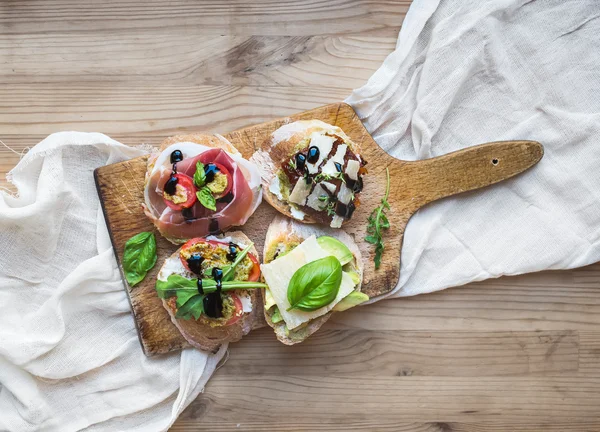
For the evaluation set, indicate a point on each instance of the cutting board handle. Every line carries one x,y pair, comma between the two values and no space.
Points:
470,169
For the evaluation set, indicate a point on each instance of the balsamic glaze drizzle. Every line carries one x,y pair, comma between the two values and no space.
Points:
210,170
213,227
313,154
213,302
171,184
226,199
232,254
194,263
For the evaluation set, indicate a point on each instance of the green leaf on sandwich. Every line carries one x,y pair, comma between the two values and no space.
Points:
315,285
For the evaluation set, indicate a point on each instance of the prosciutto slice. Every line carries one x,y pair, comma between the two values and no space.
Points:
198,220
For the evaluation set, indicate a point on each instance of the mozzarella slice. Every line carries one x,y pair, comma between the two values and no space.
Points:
246,302
278,274
324,143
329,167
352,169
300,192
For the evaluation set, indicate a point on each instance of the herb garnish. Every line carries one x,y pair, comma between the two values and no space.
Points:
378,221
139,257
189,300
315,285
206,198
199,175
204,194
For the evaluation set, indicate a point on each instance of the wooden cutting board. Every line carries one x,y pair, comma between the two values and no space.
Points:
413,185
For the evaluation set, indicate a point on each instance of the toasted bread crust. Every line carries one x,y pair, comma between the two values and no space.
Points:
204,337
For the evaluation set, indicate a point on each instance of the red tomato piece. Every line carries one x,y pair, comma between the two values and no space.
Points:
191,243
188,184
239,309
255,272
226,172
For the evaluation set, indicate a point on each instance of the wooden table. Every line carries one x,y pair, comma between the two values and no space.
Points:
519,353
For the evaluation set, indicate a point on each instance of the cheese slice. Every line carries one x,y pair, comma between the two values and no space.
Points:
352,169
329,167
300,192
324,143
278,274
313,200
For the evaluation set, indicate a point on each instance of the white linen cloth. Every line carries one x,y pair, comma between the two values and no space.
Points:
464,72
70,357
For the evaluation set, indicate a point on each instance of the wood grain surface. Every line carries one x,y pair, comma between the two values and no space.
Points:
512,354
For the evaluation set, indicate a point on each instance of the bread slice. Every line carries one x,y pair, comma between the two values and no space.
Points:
278,149
289,233
200,334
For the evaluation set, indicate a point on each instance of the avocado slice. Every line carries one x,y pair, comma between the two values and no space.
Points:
336,248
351,300
276,317
269,299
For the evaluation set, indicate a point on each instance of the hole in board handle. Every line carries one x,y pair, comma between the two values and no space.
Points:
495,161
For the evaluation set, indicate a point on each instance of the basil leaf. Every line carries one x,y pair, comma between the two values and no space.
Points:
206,198
139,257
192,308
199,175
315,284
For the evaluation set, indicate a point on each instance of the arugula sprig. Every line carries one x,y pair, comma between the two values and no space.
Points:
204,194
378,221
189,300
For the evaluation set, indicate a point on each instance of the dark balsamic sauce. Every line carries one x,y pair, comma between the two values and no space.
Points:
300,162
226,199
338,166
232,251
213,302
171,184
194,263
355,185
210,170
187,214
213,226
345,210
313,154
199,285
176,156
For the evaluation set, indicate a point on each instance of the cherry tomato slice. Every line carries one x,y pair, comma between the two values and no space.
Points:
188,184
255,272
226,172
239,309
